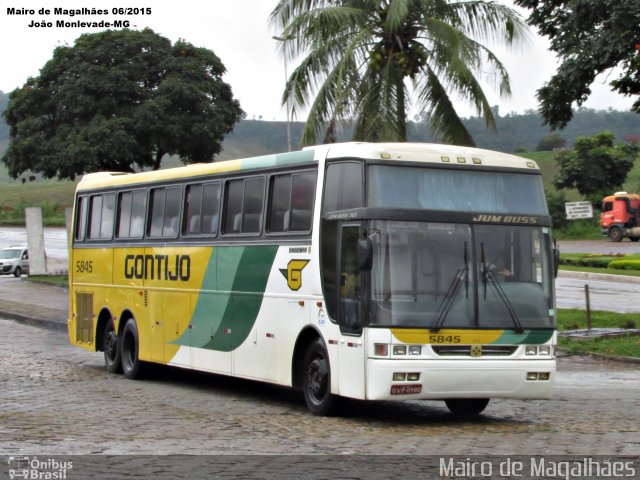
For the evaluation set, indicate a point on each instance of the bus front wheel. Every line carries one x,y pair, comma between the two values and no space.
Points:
316,383
466,406
111,347
129,341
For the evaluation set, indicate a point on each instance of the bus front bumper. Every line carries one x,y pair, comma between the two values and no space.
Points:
460,378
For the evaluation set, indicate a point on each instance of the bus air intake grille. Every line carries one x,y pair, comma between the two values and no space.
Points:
84,317
474,351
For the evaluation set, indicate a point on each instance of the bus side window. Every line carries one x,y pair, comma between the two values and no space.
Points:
291,202
165,212
81,218
279,204
343,187
202,207
210,208
95,211
125,200
157,212
302,194
171,223
233,206
193,206
138,209
252,205
244,202
107,217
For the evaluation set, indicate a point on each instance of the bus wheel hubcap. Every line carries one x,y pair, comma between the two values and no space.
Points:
317,378
110,347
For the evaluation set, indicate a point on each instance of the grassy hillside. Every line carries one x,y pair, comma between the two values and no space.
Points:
549,168
52,196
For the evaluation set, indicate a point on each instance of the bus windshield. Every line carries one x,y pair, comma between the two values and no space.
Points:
455,190
446,275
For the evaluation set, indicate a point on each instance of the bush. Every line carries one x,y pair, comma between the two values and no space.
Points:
625,264
628,324
590,260
52,213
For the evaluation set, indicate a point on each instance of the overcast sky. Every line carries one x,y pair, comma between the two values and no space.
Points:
238,32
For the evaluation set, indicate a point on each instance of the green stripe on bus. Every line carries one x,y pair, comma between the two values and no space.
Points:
243,307
277,160
527,337
233,292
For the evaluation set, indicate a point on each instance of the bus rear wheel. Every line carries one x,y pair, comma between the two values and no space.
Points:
111,347
129,342
466,406
316,383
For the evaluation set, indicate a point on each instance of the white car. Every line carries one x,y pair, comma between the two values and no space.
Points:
14,260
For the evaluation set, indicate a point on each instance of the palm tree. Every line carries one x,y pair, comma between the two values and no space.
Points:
363,60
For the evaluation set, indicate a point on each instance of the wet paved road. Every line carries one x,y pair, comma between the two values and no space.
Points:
598,246
57,399
608,296
55,240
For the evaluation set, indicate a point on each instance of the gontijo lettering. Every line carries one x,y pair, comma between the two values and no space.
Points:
158,267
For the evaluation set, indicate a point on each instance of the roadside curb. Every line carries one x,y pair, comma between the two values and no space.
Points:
48,324
48,284
614,358
605,277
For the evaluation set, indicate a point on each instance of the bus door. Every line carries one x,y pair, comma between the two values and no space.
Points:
350,314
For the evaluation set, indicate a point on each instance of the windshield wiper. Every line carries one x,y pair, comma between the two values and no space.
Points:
489,278
462,275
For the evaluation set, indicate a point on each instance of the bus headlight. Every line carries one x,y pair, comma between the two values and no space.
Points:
399,349
415,350
545,350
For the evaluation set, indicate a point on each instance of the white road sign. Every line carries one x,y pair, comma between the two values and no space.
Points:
575,210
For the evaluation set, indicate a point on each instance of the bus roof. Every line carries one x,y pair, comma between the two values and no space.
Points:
409,152
426,153
106,179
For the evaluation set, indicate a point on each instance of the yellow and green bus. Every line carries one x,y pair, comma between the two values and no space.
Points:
370,271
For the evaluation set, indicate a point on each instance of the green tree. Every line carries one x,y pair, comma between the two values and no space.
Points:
595,167
551,142
358,57
555,204
590,37
4,128
119,100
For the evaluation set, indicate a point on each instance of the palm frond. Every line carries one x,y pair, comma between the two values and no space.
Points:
443,118
354,56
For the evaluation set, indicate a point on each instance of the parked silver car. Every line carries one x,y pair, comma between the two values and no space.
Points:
14,260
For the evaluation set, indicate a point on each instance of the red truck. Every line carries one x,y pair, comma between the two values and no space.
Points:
620,216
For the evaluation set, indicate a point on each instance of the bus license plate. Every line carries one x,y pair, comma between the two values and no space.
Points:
405,389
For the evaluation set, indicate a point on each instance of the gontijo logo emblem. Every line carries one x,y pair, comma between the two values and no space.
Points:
293,273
